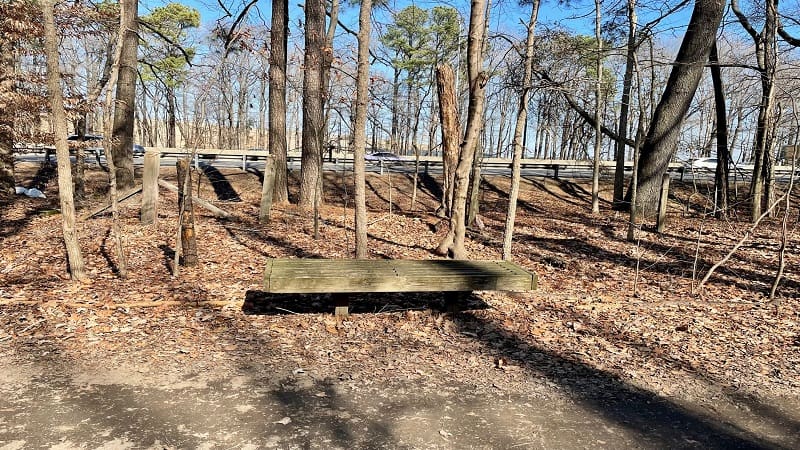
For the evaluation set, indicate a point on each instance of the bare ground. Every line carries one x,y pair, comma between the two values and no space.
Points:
616,349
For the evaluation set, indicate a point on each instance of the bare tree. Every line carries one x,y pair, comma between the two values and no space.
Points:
767,59
313,102
453,242
359,127
277,96
722,171
122,151
7,85
598,90
448,114
65,190
662,136
522,118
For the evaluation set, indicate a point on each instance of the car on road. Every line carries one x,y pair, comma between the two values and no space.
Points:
705,164
94,144
382,157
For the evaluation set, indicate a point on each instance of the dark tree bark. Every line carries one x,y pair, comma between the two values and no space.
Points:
65,189
723,153
766,57
662,137
122,151
360,127
313,102
170,94
277,97
7,84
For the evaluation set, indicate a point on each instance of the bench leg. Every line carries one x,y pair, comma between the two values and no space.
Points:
342,304
453,300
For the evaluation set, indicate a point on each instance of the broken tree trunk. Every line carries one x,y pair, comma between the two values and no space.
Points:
187,234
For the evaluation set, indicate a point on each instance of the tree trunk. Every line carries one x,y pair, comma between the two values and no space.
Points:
65,193
313,102
122,151
766,57
522,118
625,105
722,172
170,94
395,113
598,88
277,97
662,137
186,213
7,84
448,115
453,242
360,125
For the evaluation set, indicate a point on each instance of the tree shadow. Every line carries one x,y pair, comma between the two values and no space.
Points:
664,423
488,185
107,255
429,185
222,187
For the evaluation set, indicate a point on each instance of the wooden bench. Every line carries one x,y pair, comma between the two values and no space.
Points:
346,276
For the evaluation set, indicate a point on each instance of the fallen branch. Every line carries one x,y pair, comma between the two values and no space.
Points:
120,198
207,205
741,241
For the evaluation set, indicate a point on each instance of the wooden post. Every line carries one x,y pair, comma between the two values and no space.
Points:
662,204
342,304
267,190
149,210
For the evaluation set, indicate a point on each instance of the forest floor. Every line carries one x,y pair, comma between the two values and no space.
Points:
618,348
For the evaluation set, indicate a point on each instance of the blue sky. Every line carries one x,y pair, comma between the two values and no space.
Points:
506,16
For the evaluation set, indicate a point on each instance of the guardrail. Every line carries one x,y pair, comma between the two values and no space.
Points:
426,162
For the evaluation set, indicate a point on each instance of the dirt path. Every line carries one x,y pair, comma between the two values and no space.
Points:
48,405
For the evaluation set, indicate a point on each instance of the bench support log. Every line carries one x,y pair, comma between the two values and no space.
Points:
341,303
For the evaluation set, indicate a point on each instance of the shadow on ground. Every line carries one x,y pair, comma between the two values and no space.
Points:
263,303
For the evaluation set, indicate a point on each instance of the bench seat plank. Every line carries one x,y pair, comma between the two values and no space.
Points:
306,276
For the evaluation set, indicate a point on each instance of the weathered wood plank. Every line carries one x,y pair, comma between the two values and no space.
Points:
353,276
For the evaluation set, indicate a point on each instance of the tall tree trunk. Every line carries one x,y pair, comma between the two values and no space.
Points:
395,108
624,109
662,137
453,242
313,103
8,85
122,151
766,57
65,193
360,127
598,92
108,126
722,172
170,94
448,115
277,97
522,118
